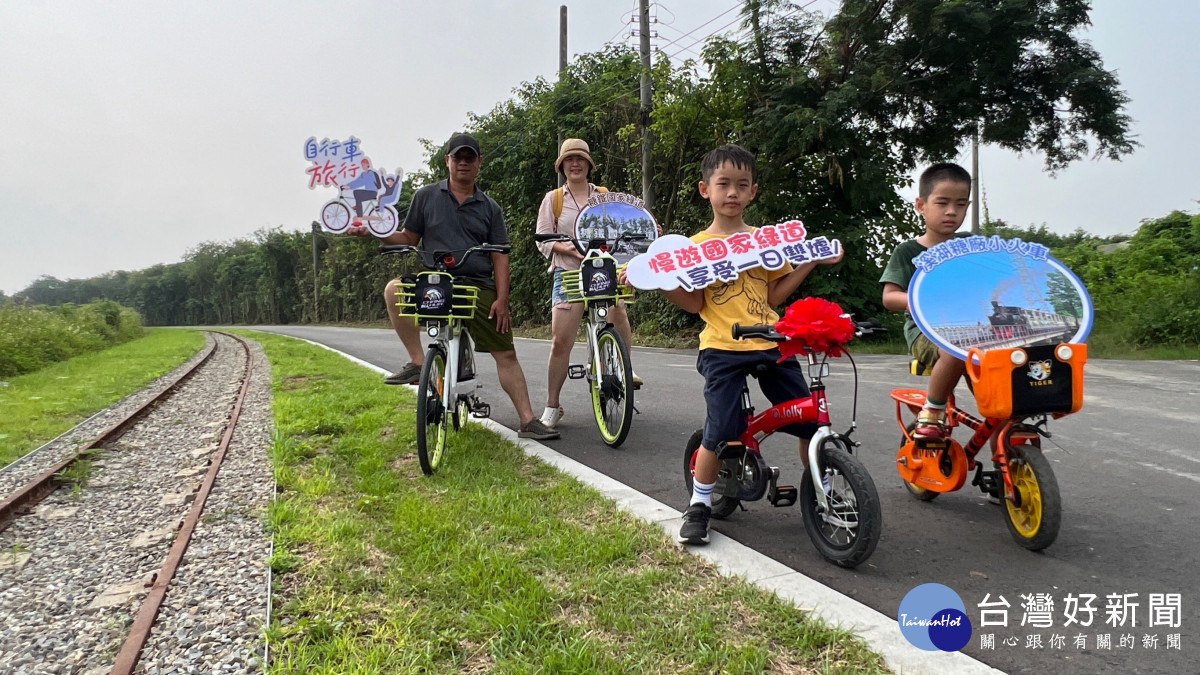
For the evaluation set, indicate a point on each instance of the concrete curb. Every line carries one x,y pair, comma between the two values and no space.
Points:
879,631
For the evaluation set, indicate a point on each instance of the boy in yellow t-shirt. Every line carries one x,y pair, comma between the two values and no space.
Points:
729,183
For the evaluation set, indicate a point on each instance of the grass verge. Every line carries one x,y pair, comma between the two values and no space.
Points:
496,564
41,405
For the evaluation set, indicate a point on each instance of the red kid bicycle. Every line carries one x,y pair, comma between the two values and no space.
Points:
838,500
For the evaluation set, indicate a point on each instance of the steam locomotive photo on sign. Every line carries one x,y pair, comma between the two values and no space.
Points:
1011,315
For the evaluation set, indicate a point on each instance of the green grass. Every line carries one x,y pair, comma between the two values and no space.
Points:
498,563
41,405
1104,345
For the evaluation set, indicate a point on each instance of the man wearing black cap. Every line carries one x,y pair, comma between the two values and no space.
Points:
453,215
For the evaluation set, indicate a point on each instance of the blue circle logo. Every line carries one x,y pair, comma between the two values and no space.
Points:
932,617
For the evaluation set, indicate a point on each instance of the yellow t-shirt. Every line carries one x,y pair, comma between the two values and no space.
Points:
743,300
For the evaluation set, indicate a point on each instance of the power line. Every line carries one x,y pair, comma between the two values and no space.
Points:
676,40
703,39
689,47
624,27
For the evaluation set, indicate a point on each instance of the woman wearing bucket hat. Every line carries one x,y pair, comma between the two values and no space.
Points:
558,214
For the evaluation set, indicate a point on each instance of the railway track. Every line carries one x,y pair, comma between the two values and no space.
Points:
97,540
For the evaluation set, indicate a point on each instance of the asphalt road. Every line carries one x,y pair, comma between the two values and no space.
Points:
1128,467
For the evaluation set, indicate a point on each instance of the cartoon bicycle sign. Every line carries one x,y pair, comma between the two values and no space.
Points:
366,196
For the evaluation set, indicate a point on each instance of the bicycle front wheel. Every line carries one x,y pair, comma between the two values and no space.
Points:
845,534
1035,514
433,420
612,387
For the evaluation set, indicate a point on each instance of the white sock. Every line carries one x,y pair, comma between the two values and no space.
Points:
702,493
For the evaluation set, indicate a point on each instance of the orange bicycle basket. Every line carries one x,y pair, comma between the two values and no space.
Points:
1028,380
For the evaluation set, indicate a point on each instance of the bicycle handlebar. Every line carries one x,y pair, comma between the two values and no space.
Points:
768,332
445,260
398,248
869,326
761,331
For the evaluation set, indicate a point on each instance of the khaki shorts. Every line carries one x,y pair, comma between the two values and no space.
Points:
483,330
924,351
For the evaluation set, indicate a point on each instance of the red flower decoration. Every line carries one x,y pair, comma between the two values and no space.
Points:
814,324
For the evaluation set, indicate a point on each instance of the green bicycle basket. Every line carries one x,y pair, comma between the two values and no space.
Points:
596,279
434,295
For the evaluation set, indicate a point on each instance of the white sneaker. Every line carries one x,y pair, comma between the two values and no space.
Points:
552,415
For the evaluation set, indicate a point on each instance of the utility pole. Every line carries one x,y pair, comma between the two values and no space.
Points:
975,205
316,232
647,99
562,62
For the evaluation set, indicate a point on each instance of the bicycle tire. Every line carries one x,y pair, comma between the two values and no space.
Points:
722,506
1034,524
854,501
433,420
612,387
335,216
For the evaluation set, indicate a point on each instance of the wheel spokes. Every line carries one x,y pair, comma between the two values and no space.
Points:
611,391
843,514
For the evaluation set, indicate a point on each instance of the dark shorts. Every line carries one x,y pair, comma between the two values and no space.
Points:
724,375
483,330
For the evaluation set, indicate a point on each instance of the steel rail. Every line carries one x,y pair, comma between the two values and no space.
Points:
139,633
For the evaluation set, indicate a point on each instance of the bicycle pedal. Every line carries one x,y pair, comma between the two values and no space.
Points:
576,371
784,495
480,410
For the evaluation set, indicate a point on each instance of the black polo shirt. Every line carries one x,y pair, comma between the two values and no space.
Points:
445,225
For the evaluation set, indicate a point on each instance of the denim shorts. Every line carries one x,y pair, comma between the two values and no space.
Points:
558,295
724,374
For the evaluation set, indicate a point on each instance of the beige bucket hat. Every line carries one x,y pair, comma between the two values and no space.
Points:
574,147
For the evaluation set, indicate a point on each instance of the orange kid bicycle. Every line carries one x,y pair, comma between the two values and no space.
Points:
1018,391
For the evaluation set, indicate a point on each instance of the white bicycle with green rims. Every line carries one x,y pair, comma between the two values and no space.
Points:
609,371
446,389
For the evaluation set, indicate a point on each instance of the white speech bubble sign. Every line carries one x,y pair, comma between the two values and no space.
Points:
674,261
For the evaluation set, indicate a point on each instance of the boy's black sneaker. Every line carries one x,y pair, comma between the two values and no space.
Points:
695,525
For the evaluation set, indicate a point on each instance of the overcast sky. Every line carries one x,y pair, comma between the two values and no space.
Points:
133,131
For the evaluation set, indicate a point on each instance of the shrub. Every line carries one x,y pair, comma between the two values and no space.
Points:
33,336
